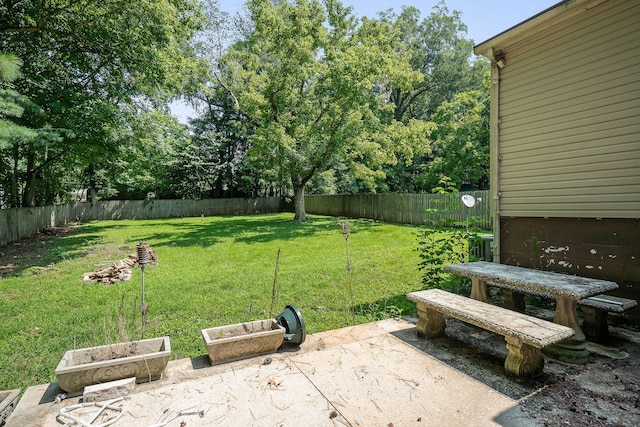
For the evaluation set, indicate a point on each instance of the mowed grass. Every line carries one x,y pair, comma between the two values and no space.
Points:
212,271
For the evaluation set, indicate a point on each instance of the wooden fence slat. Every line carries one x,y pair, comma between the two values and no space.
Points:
16,223
405,208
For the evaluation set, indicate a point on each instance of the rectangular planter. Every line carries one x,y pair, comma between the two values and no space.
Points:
234,342
8,402
144,359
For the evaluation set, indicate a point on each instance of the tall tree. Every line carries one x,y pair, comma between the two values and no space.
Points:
147,147
89,65
311,79
461,141
16,129
441,52
10,100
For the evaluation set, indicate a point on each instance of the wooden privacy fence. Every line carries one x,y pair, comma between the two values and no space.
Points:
21,222
397,208
444,209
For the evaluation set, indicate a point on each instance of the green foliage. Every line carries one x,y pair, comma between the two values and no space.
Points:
11,102
146,156
293,97
461,141
440,51
442,245
438,247
89,66
311,79
215,159
212,271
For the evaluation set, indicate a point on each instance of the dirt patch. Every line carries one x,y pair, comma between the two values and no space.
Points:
603,392
28,252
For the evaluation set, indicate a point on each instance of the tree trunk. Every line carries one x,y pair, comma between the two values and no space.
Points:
14,200
298,201
92,183
29,195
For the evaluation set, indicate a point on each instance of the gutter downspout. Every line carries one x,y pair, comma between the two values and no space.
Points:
494,149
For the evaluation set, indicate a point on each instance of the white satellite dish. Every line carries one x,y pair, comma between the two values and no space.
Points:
468,200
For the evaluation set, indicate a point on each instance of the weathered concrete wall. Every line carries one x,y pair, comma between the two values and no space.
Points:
599,248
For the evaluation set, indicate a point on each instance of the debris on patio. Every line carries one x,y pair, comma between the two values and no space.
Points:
118,270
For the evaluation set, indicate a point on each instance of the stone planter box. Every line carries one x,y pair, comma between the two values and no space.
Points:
8,402
144,359
234,342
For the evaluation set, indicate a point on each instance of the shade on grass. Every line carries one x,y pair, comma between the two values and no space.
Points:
212,271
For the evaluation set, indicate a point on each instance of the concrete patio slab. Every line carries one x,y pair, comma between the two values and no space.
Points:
357,376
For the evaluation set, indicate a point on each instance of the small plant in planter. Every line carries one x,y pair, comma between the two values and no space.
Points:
234,342
144,359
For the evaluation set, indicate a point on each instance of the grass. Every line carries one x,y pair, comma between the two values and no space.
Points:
212,271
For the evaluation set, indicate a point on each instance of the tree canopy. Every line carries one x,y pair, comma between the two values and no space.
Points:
314,81
291,96
88,66
461,141
441,52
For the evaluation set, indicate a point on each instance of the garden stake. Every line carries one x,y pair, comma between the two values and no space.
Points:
143,259
274,289
345,232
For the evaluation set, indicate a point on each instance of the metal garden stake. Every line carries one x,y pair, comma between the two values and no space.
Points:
143,260
346,232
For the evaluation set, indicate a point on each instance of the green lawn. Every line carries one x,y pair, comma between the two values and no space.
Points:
212,271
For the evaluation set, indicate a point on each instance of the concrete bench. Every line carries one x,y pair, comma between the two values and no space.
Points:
595,309
525,335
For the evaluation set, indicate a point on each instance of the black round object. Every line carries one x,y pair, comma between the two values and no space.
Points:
291,320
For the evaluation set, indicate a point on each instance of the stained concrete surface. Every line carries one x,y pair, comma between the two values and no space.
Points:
366,375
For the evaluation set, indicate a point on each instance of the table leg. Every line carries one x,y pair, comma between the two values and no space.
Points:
571,350
595,326
479,289
567,315
514,300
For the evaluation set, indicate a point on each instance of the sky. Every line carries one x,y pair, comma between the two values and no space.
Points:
484,18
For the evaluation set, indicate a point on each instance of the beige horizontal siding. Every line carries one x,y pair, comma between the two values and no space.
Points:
570,118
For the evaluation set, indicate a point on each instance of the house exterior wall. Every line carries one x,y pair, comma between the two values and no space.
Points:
566,142
570,118
600,248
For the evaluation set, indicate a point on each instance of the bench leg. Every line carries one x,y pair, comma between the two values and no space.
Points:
523,360
514,300
430,323
595,326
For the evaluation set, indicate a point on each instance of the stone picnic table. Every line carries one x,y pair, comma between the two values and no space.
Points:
565,288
